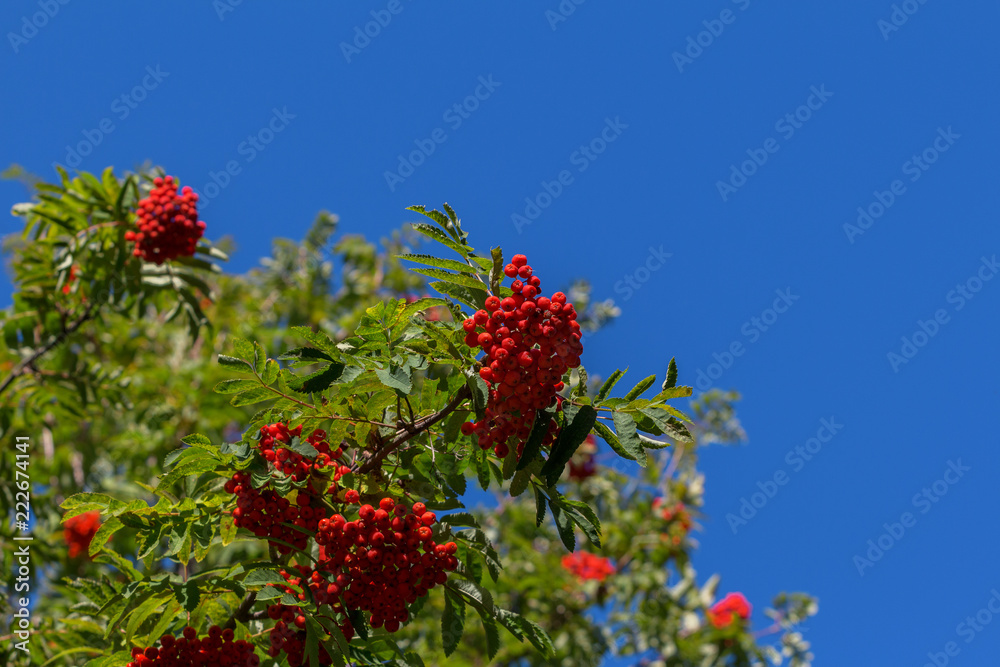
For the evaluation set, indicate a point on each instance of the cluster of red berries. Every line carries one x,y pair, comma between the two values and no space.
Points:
530,341
168,223
262,510
80,530
678,520
586,565
218,648
291,640
728,609
384,560
289,461
583,465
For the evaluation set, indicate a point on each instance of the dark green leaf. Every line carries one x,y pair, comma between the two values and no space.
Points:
570,438
671,380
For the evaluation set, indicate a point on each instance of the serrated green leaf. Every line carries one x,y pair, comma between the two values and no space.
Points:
438,262
235,364
608,385
671,375
641,387
452,622
572,435
625,429
533,445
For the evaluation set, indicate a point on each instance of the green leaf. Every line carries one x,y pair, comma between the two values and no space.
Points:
625,429
235,364
453,278
303,447
533,445
438,262
671,380
452,622
473,298
482,469
253,396
672,392
269,593
608,385
539,506
570,438
639,388
263,576
188,595
496,270
612,440
519,484
243,349
564,524
103,534
270,373
492,635
396,377
439,236
510,463
235,386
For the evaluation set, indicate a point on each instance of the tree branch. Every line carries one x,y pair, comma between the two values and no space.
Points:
45,349
414,429
242,613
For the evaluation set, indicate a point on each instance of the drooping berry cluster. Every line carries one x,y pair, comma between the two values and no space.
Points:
288,634
262,510
728,609
583,464
168,223
678,520
290,462
79,531
384,560
586,565
530,341
218,648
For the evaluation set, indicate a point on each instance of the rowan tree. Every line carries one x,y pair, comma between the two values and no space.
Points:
274,467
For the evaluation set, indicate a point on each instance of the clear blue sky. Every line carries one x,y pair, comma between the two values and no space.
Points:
672,131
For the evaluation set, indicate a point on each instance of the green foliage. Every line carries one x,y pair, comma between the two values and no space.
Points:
122,388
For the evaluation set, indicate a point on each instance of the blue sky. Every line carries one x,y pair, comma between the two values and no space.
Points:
716,175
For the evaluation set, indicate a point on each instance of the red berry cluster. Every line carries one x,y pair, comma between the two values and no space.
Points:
168,223
291,462
728,609
291,640
586,565
80,530
530,341
262,510
678,520
384,560
583,465
218,648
